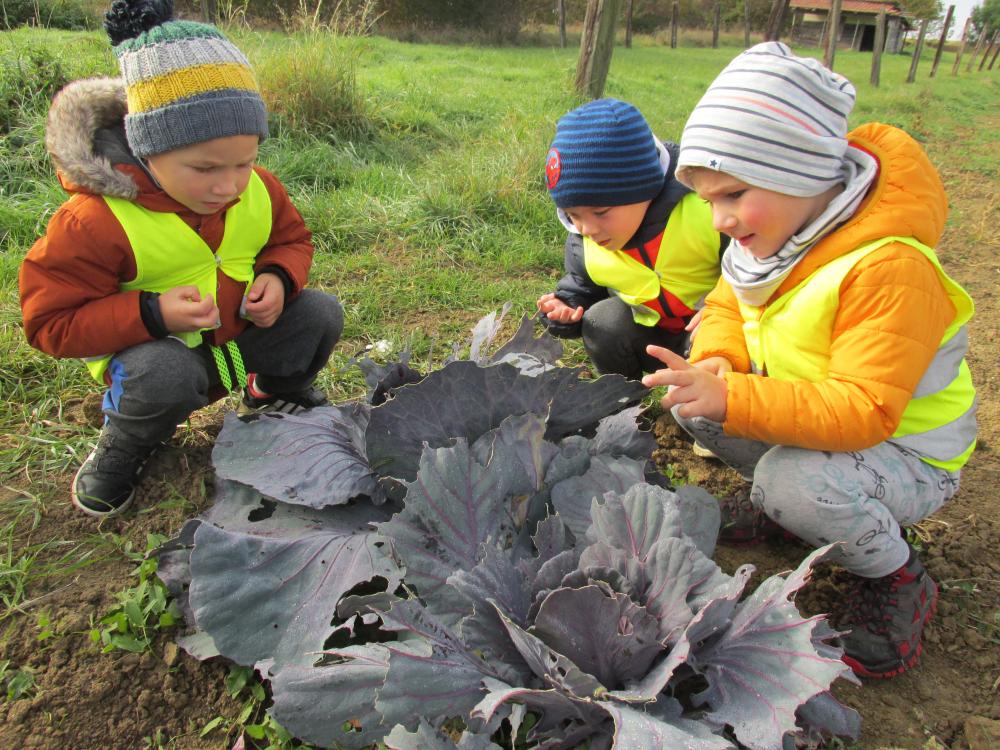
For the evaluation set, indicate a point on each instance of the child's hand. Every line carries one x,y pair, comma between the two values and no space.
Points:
715,365
692,326
558,311
184,309
702,393
265,299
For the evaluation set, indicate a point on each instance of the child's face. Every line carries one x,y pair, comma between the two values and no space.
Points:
609,226
761,220
206,176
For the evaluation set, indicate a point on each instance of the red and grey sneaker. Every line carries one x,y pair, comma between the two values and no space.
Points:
888,616
257,401
745,523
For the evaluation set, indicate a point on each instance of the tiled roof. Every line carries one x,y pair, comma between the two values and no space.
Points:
849,6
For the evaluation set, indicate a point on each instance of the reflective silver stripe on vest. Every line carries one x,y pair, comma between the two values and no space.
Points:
948,440
943,369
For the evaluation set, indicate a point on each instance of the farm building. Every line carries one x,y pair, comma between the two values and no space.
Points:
857,23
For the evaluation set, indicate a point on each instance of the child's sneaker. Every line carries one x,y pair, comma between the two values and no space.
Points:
256,401
744,523
105,483
887,620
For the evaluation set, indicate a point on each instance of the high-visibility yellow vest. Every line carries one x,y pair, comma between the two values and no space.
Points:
687,264
169,253
790,340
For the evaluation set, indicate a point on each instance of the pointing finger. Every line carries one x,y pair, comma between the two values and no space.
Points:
667,357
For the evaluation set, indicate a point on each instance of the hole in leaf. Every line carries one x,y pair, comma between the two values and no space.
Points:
265,511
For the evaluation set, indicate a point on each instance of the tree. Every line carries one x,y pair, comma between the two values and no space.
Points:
986,17
921,9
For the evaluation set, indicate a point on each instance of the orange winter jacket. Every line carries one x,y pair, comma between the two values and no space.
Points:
892,315
71,301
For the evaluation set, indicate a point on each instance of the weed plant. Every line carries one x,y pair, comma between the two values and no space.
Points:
141,611
252,721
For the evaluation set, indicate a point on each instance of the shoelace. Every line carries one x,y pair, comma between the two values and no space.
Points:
113,459
741,503
873,600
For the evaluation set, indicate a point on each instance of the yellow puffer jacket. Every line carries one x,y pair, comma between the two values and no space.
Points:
892,315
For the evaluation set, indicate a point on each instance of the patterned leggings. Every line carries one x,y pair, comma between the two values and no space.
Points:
859,498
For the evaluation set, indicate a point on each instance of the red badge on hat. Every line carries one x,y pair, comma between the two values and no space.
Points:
553,166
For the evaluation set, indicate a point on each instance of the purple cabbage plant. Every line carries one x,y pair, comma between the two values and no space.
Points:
489,559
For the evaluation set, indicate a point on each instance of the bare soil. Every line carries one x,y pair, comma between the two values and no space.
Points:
86,699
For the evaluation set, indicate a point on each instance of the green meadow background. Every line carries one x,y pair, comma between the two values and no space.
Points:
419,169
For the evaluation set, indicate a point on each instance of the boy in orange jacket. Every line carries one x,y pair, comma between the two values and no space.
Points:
177,267
829,366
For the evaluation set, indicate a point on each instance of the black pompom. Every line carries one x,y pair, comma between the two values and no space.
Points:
129,18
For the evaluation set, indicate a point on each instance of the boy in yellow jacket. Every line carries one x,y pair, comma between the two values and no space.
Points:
640,253
829,367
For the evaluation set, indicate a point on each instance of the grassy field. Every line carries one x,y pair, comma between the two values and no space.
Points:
419,170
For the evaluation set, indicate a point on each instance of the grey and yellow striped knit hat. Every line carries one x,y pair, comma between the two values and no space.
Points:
184,81
773,120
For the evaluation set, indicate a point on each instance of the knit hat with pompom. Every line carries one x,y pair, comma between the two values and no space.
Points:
184,81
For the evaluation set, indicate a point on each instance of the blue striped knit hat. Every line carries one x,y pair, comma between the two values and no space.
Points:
773,120
604,154
184,81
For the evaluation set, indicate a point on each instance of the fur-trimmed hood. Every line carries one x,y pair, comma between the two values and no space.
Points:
76,137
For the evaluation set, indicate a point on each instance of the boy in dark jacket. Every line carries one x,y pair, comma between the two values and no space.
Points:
641,252
176,268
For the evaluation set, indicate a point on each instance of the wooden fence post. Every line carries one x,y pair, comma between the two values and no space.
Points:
780,23
975,52
943,39
961,47
854,40
675,12
986,54
596,46
911,76
746,24
995,53
831,45
562,23
772,18
775,20
877,49
209,11
716,19
628,24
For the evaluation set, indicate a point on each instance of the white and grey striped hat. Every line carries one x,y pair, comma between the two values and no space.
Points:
773,120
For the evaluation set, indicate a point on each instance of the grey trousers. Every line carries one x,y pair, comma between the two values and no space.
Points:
617,344
157,385
859,498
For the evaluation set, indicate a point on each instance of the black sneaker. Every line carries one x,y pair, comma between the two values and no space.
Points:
743,523
105,483
287,403
887,621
